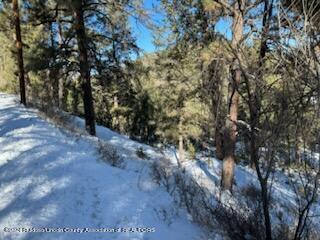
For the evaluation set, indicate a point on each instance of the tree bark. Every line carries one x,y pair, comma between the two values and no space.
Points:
219,118
115,118
75,98
297,153
62,88
219,144
181,147
268,7
54,72
254,109
84,66
297,142
233,96
63,94
16,13
265,204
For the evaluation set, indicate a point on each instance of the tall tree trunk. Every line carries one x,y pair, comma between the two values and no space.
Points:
219,143
62,88
54,72
219,119
297,152
233,96
15,7
63,94
75,98
181,147
115,117
268,7
289,149
84,67
254,109
297,142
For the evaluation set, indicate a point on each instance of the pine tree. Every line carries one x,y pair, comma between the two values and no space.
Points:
237,8
19,49
85,81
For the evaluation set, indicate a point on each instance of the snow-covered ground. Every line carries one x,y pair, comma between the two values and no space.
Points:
49,178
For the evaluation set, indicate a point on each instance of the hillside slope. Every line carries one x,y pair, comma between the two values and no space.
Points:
49,178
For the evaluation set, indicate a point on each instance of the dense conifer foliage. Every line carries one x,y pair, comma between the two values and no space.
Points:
250,96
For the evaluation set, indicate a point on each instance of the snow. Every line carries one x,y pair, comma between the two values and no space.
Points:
52,179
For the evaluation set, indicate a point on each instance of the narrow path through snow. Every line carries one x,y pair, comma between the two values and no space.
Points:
49,179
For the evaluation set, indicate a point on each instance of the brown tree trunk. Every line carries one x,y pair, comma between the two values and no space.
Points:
233,96
84,67
219,144
54,72
219,119
63,94
15,7
181,147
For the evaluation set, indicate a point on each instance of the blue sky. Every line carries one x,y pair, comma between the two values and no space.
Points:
145,36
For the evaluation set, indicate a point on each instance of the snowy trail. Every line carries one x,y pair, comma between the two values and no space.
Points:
49,179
